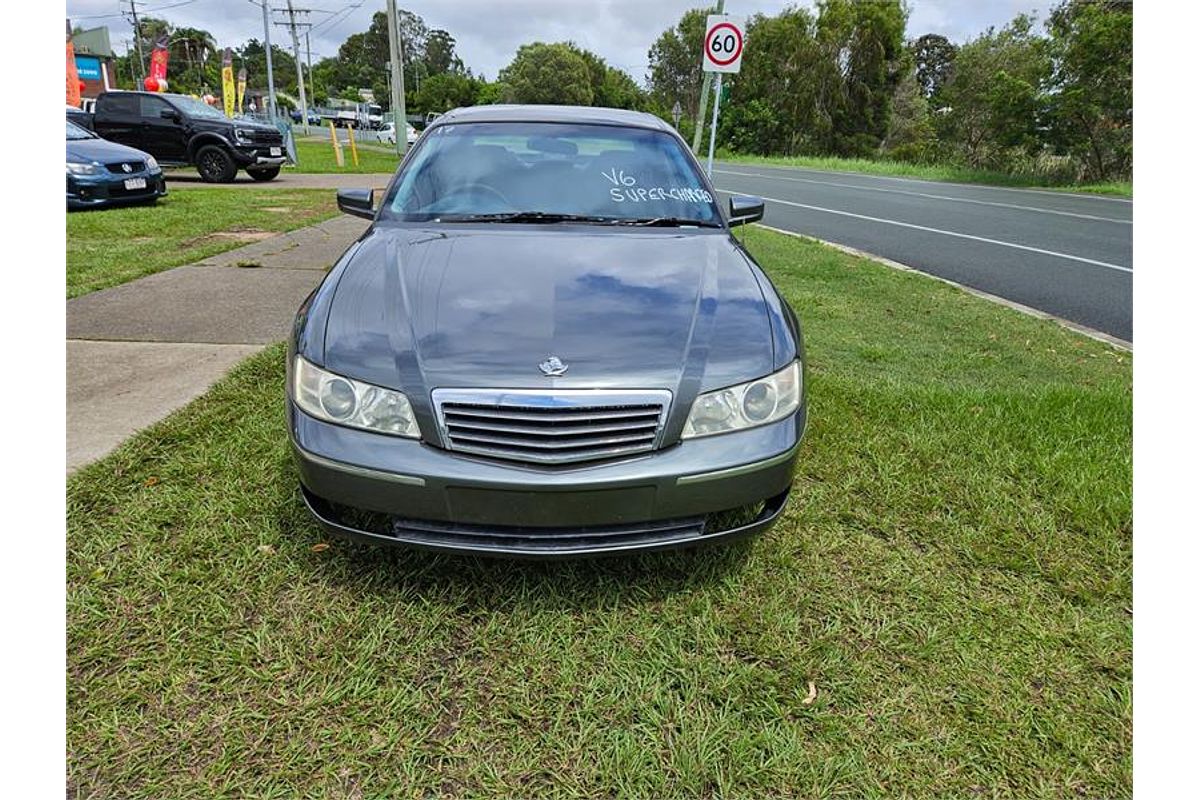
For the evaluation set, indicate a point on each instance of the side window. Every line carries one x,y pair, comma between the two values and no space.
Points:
151,106
120,105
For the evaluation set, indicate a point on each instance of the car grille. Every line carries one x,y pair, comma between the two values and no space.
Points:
118,167
551,428
266,137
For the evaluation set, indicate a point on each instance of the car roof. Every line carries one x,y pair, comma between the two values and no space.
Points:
588,115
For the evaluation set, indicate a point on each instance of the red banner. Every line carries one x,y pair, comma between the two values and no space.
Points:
156,81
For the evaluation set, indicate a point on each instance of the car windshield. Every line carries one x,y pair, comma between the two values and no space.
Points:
518,171
196,108
76,132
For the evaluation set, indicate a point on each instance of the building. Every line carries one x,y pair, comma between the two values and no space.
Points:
94,60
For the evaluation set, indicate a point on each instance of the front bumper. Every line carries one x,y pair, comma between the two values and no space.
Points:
259,155
423,496
87,191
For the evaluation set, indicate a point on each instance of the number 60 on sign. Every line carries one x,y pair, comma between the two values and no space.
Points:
724,40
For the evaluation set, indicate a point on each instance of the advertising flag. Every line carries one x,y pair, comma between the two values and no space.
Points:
241,91
228,90
73,83
156,81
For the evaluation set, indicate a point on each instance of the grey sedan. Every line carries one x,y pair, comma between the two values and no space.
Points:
548,343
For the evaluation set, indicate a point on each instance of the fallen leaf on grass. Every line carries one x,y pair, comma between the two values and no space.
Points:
812,694
319,546
266,549
150,481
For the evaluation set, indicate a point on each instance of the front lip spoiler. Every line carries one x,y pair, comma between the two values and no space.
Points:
471,540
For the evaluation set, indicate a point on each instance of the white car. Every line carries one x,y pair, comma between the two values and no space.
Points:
388,133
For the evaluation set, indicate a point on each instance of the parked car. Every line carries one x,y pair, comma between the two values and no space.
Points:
548,343
182,131
101,173
388,133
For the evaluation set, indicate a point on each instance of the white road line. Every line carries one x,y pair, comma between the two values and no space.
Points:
1076,195
956,234
1034,209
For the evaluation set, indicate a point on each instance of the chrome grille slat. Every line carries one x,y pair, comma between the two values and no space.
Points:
545,415
650,425
553,427
532,444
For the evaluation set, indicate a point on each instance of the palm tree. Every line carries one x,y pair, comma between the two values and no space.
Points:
192,46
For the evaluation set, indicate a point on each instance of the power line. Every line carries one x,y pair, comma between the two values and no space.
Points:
337,17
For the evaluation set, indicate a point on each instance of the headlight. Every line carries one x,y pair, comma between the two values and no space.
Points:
345,401
151,163
243,135
81,168
747,405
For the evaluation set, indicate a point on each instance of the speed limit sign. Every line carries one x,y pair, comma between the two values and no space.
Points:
724,39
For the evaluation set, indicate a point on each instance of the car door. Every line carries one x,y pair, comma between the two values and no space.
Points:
163,137
119,119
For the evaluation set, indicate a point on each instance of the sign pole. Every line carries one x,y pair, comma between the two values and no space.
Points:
712,137
703,111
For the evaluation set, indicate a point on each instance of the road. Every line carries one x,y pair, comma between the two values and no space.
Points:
1070,255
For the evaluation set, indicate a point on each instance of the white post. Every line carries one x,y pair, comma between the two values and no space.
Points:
712,137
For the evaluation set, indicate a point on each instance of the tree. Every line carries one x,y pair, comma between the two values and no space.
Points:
1091,103
362,58
190,50
253,56
548,73
994,99
933,58
675,73
910,135
611,87
862,44
439,53
446,91
780,60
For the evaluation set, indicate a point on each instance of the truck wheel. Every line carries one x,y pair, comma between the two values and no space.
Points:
263,174
215,165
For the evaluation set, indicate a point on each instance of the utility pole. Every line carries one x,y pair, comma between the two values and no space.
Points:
397,63
270,67
308,60
137,40
704,95
292,25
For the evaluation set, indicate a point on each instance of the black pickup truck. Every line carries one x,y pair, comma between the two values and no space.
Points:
182,131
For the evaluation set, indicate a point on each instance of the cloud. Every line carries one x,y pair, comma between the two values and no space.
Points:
489,32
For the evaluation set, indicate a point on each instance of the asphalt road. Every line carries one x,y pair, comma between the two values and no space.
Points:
1070,255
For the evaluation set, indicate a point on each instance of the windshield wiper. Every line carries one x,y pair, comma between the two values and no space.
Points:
668,222
527,216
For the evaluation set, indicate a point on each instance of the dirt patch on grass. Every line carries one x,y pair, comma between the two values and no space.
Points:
241,236
245,236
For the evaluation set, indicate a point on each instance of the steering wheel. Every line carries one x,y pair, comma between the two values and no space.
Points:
473,188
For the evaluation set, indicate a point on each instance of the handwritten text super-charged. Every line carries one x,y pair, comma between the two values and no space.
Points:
625,188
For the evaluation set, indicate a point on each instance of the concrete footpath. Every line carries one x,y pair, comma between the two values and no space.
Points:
139,351
188,179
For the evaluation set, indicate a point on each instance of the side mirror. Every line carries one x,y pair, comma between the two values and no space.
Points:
744,208
357,202
169,113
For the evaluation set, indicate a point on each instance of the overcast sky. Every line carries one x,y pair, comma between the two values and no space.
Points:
489,31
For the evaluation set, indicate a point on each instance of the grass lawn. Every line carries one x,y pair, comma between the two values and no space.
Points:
110,246
943,611
316,156
929,172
